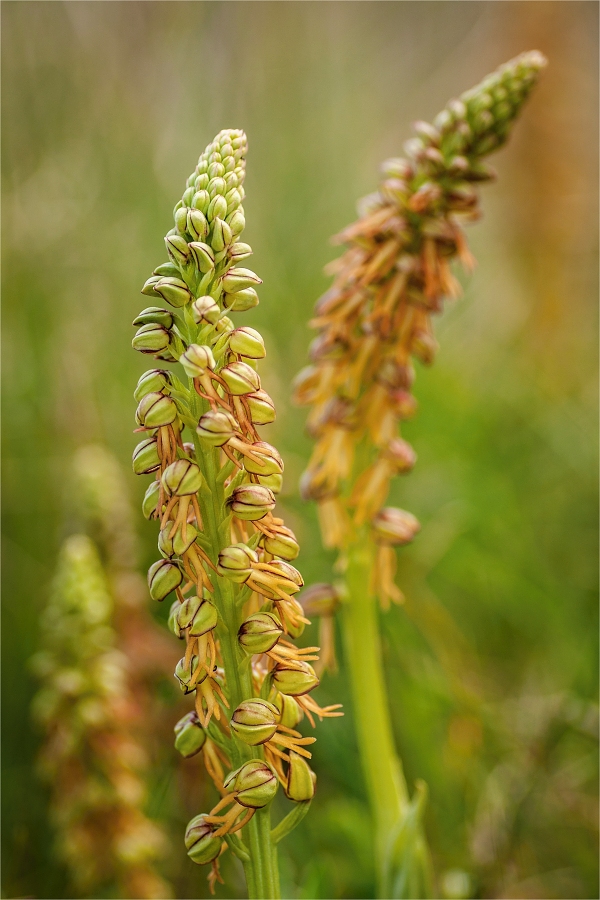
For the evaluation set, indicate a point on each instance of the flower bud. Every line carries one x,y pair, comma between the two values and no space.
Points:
155,410
217,208
320,599
216,185
240,378
241,301
395,526
156,315
203,256
289,572
237,222
260,632
237,279
254,784
251,501
401,454
148,288
197,359
163,577
235,562
176,545
269,456
180,216
221,235
190,736
197,225
262,408
290,711
205,619
247,342
294,678
204,309
201,845
182,477
177,249
145,457
302,781
174,291
254,721
273,482
172,622
151,338
152,381
283,543
184,672
216,427
150,500
167,270
201,200
239,251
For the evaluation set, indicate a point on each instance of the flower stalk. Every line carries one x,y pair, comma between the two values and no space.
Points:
225,555
372,323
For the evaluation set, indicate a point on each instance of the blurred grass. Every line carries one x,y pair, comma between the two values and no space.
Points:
493,664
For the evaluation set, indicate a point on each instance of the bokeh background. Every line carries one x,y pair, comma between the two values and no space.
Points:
492,663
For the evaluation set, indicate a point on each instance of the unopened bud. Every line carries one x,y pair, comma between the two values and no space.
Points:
201,200
255,721
240,378
295,679
287,571
145,457
152,381
241,301
217,208
163,577
150,501
401,454
199,615
155,410
260,632
203,255
197,224
172,621
197,359
254,784
167,270
272,463
283,542
190,736
273,482
174,291
156,315
262,408
216,185
216,427
221,235
395,526
182,477
239,251
236,562
180,216
177,248
247,342
302,781
251,501
151,338
185,672
237,279
176,545
201,844
290,711
204,309
148,288
237,222
320,599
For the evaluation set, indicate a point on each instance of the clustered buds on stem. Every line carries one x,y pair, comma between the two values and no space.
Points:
376,317
224,553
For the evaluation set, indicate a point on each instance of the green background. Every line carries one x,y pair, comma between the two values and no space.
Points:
492,664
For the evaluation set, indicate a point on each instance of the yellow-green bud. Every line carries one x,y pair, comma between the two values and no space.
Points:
197,225
152,381
217,208
240,378
236,562
177,249
155,314
205,619
204,309
167,270
148,288
290,711
216,427
176,545
395,526
221,235
237,279
283,543
202,847
216,185
274,482
241,301
254,784
163,577
269,456
255,721
180,217
190,736
150,500
173,620
320,599
262,408
237,222
182,477
251,501
203,255
197,359
294,678
302,781
155,410
247,342
184,672
145,457
260,632
201,200
239,251
151,338
174,291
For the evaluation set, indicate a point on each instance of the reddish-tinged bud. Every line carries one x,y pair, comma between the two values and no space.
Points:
395,526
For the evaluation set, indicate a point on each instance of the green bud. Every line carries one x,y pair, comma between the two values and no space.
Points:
148,288
173,622
203,256
236,562
156,315
221,235
295,679
283,543
187,195
269,456
202,847
145,457
239,251
302,781
237,222
241,301
217,208
274,482
290,711
197,359
201,182
254,721
197,225
262,408
216,427
150,500
204,309
180,217
151,338
187,610
177,248
233,198
155,410
320,599
152,381
190,736
176,545
251,502
184,672
395,526
297,630
174,291
247,342
237,279
260,632
216,185
254,784
167,270
182,477
240,378
163,577
205,619
201,200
